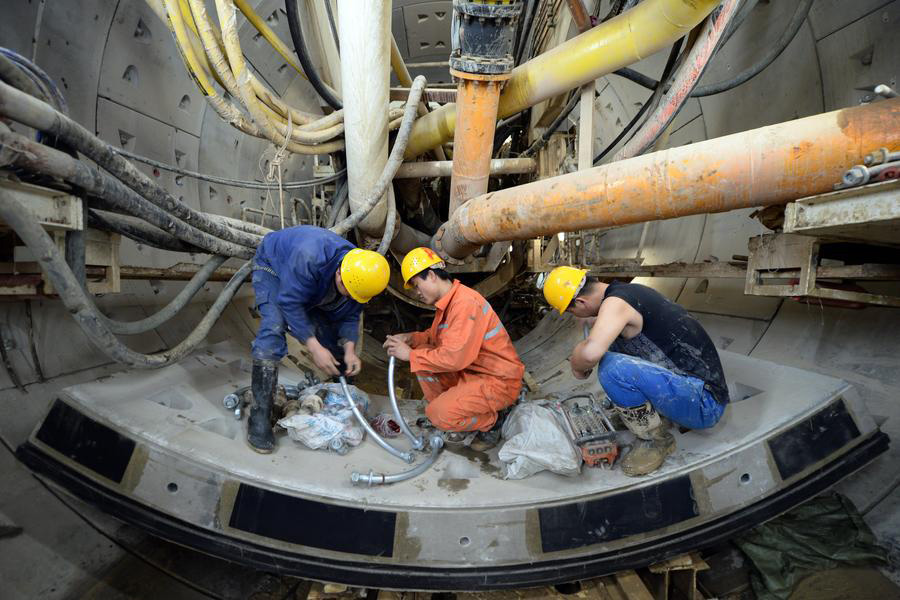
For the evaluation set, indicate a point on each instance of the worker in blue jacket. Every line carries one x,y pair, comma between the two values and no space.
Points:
312,283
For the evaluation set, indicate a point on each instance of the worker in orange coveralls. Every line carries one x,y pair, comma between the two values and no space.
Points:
465,363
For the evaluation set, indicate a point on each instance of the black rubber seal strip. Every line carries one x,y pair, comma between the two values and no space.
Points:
328,526
652,507
369,574
812,440
91,444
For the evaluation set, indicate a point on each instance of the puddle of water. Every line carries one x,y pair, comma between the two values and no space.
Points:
453,485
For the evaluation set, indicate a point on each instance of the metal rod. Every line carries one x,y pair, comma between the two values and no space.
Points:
443,168
417,442
406,457
436,441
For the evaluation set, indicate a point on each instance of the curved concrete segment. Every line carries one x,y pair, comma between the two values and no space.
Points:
176,469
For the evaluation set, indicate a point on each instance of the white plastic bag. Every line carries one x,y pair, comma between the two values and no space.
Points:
535,441
334,427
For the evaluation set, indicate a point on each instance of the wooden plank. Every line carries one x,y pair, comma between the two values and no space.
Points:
632,586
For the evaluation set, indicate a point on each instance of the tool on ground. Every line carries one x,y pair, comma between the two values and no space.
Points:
591,430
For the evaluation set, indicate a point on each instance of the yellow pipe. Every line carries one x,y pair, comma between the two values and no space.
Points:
405,80
632,36
399,66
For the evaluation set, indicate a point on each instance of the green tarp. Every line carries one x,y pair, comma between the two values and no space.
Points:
824,533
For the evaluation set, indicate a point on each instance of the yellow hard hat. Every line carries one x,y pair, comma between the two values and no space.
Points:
417,261
561,285
365,274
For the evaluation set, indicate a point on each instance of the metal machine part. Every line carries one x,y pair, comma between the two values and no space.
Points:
482,36
372,478
591,430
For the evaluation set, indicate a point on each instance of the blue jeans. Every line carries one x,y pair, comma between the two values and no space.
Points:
270,342
630,381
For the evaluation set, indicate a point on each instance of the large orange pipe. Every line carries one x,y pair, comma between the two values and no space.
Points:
769,165
473,141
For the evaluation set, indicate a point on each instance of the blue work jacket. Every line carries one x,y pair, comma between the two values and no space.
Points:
305,259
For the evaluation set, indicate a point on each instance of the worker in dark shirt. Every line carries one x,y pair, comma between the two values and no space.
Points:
654,358
313,283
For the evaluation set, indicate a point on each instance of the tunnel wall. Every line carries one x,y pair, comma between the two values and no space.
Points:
89,45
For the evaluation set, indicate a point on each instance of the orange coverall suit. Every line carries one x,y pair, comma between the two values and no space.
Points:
465,363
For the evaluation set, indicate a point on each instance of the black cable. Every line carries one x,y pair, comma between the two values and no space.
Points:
622,133
137,230
657,92
241,183
774,52
747,74
334,33
338,201
542,141
12,73
44,81
111,193
522,42
30,111
293,16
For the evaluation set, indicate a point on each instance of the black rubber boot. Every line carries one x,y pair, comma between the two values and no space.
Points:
259,428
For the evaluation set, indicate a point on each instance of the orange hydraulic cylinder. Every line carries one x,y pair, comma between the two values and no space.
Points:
770,165
477,97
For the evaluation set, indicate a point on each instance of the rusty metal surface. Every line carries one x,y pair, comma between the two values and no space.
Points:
869,213
473,142
769,165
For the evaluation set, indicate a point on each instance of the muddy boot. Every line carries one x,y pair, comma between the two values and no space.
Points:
485,440
655,442
259,426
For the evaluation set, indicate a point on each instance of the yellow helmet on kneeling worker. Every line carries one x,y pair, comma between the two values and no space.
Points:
365,274
416,261
562,285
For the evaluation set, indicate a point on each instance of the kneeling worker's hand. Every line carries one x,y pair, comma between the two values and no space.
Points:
322,357
354,364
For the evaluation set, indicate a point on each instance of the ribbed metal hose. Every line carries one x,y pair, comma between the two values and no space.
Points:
406,457
373,478
417,442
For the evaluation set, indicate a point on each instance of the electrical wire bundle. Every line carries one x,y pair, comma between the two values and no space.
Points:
213,57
